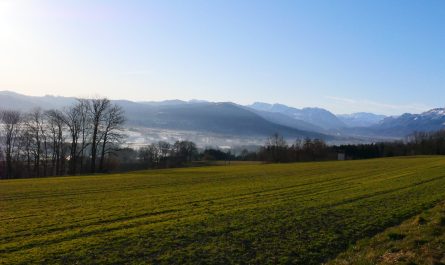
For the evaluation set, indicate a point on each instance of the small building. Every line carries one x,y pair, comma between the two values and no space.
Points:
341,156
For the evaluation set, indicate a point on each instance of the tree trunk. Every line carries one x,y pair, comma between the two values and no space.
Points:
102,157
94,150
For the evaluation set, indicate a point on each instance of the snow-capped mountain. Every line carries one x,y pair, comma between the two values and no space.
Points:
361,119
435,113
316,116
356,124
432,120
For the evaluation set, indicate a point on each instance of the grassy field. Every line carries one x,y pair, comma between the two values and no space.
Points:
419,240
301,213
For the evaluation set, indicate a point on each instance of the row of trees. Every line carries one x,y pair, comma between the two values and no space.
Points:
182,153
165,155
421,143
75,140
277,150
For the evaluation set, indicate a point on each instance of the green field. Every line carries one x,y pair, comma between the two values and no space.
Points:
419,240
303,213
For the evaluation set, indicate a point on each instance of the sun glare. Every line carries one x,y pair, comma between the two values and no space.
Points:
7,9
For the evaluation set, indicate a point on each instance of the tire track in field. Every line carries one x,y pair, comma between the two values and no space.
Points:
270,193
275,192
82,191
242,195
103,230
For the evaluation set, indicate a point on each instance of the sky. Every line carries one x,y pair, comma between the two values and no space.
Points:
380,56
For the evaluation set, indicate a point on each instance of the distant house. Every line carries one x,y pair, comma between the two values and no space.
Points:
341,156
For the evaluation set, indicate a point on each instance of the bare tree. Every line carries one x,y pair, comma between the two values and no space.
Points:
57,124
184,151
37,134
112,130
11,122
45,144
276,148
164,150
85,130
73,122
26,146
149,155
39,142
97,109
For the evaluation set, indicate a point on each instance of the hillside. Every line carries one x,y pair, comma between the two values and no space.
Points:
285,120
16,101
361,119
432,120
302,213
315,116
225,118
405,125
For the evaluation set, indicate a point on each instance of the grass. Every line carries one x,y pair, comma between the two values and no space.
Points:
302,213
420,240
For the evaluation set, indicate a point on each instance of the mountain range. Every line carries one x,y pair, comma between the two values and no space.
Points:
361,119
432,120
223,118
316,116
257,120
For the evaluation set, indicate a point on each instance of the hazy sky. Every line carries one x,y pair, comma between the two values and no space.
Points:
382,56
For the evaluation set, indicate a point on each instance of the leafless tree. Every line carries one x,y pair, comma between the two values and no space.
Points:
26,147
164,150
73,122
42,141
34,126
184,151
276,148
56,122
85,130
11,123
97,109
111,131
149,155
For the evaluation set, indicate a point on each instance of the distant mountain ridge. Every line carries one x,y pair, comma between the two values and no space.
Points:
221,118
258,119
432,120
361,119
224,117
12,100
289,121
315,116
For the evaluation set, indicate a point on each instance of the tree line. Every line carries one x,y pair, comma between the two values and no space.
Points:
277,150
419,143
167,155
77,139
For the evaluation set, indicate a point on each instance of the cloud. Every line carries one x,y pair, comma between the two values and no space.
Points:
354,105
